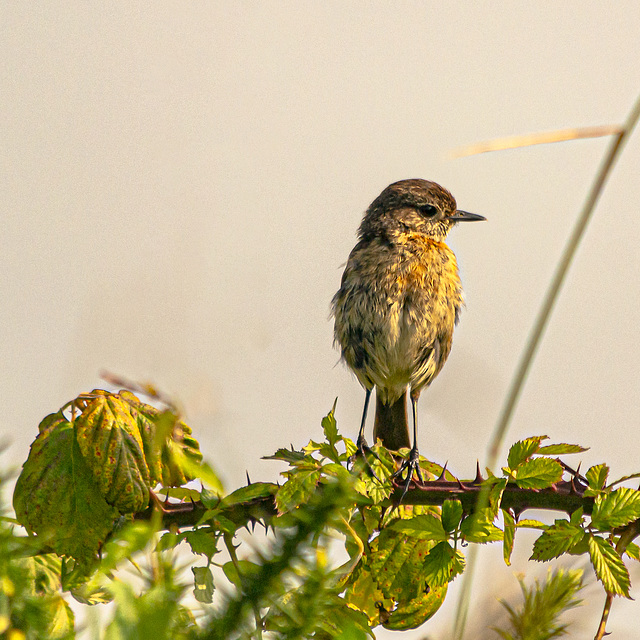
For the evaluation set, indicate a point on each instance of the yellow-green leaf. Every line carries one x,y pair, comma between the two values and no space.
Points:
111,444
597,476
559,538
616,509
538,473
509,536
57,497
609,568
442,564
523,450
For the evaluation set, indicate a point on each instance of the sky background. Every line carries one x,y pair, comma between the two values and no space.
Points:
182,184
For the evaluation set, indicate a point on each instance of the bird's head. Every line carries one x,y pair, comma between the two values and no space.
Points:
413,206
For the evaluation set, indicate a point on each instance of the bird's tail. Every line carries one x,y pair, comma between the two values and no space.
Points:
391,424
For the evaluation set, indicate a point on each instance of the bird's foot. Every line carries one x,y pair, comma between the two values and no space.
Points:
411,464
361,452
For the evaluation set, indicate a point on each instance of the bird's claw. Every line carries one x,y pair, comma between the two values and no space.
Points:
411,464
362,450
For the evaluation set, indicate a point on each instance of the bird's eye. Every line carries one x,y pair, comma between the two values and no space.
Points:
428,210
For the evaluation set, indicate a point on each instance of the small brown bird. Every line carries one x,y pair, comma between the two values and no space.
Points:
398,304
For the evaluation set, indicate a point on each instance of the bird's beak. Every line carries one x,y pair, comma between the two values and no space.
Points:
465,216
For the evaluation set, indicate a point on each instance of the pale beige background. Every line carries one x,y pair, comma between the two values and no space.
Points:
181,183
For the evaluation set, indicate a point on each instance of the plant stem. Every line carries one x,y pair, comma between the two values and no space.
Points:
228,542
605,616
537,332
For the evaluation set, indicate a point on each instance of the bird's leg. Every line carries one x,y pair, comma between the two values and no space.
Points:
361,443
412,463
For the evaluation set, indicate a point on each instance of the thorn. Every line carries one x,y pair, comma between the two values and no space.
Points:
444,471
461,485
253,526
248,478
478,478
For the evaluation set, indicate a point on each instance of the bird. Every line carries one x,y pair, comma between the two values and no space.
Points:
399,300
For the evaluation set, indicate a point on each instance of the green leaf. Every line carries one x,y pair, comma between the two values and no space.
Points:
180,457
335,470
424,527
616,509
203,541
561,449
597,476
509,536
404,599
184,494
451,515
362,593
203,584
297,490
44,572
253,491
324,449
168,444
125,542
580,547
59,617
396,564
111,444
523,450
495,495
527,523
413,613
576,516
287,455
442,564
56,496
91,594
248,571
479,527
609,568
556,540
538,473
330,426
179,465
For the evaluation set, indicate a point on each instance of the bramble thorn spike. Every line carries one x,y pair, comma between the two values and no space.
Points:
443,473
478,479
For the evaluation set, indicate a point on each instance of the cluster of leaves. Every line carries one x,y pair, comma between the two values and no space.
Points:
86,470
31,603
95,471
601,535
402,556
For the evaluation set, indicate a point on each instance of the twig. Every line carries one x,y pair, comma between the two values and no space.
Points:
228,542
530,139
